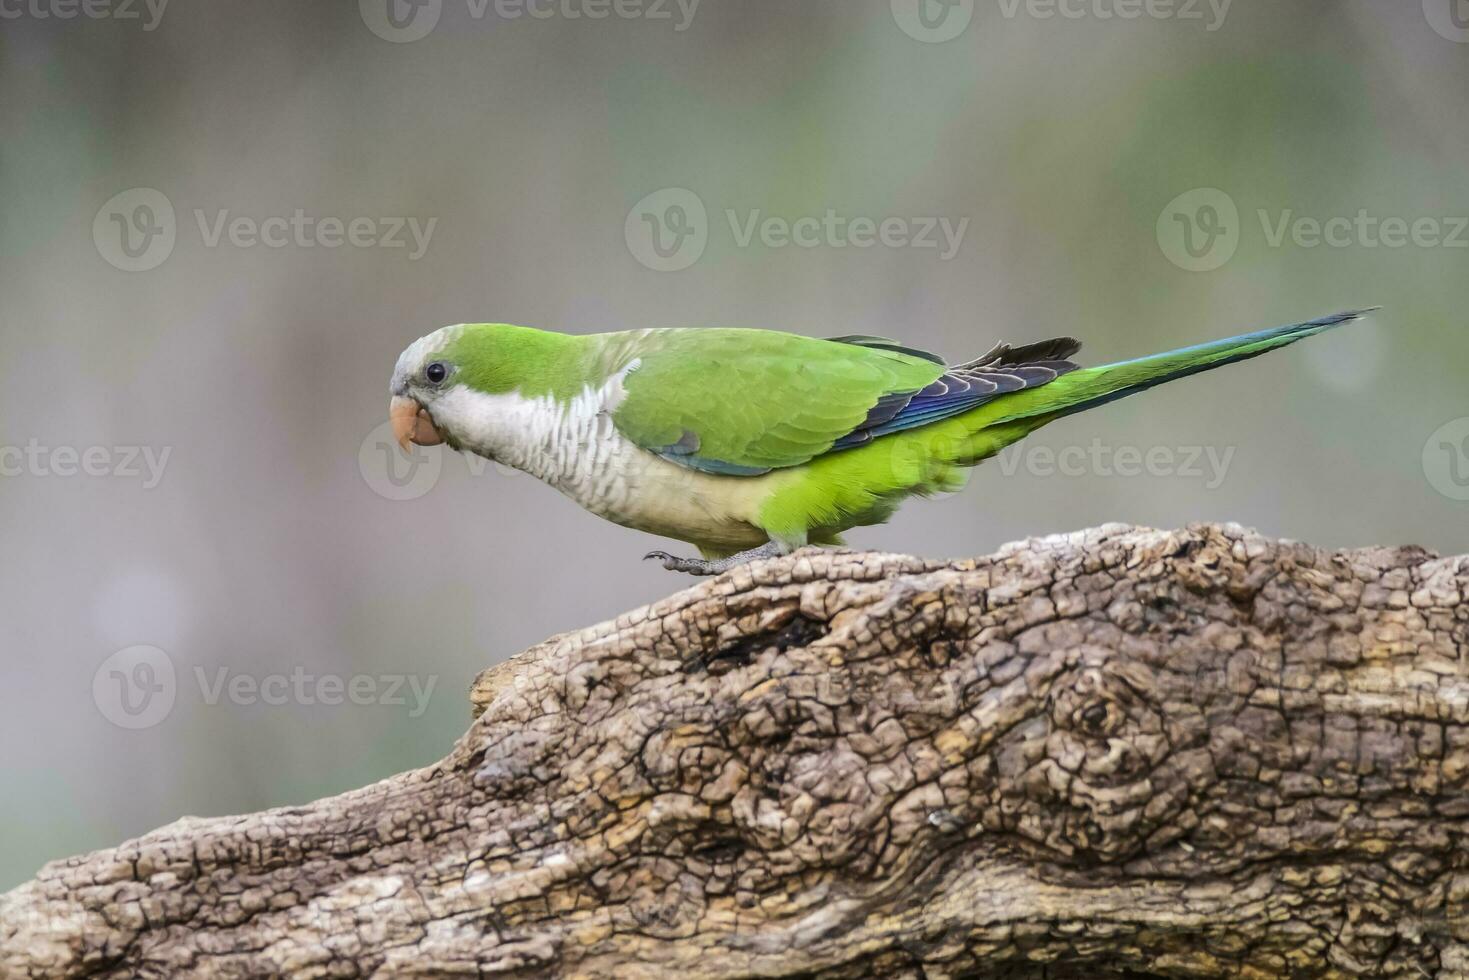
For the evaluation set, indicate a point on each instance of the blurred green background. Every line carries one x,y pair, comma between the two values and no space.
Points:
271,546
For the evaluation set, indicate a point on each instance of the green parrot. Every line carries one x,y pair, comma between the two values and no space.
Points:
751,443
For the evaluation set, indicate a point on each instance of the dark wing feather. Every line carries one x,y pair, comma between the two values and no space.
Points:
1057,349
966,386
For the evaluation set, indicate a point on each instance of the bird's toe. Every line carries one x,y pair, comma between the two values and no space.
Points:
671,562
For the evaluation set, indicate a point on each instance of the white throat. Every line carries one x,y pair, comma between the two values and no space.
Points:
571,445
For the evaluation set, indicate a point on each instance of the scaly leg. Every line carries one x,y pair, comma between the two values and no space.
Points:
705,566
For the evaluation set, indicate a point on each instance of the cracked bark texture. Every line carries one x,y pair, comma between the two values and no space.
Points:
1120,752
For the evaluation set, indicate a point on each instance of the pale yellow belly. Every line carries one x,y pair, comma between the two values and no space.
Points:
641,490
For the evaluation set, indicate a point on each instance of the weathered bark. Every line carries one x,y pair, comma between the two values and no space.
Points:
1119,752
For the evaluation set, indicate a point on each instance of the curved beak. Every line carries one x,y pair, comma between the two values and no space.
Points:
412,424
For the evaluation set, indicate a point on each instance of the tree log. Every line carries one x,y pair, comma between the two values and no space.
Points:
1120,752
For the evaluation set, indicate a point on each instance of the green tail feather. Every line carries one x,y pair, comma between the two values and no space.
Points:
1007,420
1090,387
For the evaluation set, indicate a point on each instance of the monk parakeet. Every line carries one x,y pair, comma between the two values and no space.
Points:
751,443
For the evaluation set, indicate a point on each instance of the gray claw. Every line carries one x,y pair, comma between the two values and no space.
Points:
669,561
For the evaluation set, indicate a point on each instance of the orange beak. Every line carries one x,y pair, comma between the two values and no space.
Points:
412,424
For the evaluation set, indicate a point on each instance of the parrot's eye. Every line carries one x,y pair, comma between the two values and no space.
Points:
436,372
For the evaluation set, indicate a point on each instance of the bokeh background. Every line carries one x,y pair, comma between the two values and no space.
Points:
1095,157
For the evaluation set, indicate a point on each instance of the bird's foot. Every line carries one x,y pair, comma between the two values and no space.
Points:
714,566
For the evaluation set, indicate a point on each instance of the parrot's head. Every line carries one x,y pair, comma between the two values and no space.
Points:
451,386
425,372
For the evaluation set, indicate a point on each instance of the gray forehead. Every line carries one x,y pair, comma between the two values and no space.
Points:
412,359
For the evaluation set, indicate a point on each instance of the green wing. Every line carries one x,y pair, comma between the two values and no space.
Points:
744,402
